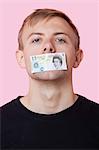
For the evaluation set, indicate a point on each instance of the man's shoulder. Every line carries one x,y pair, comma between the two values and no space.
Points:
10,105
89,105
87,101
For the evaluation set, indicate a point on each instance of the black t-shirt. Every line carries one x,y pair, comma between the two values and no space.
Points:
74,127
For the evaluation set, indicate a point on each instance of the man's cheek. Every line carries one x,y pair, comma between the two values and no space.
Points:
70,60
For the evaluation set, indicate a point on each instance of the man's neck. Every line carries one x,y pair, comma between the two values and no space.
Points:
48,97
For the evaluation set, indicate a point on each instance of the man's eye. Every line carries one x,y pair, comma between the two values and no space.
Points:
36,40
60,40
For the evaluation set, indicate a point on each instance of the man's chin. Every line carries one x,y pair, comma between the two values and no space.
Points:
49,75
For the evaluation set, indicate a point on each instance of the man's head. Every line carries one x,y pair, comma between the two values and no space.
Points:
48,31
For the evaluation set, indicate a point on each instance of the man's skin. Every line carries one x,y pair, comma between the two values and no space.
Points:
49,92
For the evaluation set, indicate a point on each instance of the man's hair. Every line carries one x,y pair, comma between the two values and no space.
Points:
41,14
57,57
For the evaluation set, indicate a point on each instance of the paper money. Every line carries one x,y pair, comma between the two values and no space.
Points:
48,62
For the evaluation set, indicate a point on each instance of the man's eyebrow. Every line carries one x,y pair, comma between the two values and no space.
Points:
58,33
33,33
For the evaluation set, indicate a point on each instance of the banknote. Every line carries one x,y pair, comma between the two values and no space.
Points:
48,62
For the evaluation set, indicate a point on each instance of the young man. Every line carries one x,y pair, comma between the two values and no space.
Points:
51,115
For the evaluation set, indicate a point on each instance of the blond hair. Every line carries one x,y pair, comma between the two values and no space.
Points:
41,14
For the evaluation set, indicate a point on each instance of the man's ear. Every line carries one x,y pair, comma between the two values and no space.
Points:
20,58
78,58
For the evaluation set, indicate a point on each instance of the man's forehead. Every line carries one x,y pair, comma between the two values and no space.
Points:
56,24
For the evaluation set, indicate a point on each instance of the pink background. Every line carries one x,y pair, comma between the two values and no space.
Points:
84,14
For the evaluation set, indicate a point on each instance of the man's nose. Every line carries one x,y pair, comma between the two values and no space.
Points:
49,48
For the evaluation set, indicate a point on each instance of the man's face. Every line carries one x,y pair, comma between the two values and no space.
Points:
55,34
